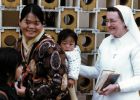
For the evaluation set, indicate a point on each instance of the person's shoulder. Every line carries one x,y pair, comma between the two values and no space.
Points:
3,95
105,41
77,48
74,53
48,36
108,38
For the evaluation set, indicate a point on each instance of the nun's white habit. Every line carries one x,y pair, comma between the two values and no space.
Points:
123,56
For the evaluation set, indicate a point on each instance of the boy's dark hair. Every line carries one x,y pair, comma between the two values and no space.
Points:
10,59
113,9
35,9
67,33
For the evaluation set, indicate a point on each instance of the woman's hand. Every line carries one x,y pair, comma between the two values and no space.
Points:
110,89
19,71
20,90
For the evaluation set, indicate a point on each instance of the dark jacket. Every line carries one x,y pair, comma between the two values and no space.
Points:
43,80
9,90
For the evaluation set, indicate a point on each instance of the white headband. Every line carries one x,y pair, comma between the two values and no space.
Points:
129,21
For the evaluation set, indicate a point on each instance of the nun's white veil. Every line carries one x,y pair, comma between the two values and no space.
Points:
129,21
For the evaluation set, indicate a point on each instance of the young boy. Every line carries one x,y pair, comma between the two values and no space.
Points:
67,39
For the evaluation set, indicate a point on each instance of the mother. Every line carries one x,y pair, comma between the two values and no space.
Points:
44,73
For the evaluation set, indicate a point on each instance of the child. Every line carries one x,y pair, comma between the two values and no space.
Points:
10,60
67,39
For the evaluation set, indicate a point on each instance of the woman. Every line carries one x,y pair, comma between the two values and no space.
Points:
10,61
45,73
119,52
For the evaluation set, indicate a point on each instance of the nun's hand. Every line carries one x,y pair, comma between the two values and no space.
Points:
110,89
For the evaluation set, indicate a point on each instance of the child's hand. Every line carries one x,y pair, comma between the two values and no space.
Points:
71,82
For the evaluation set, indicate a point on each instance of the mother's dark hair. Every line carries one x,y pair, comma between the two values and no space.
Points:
35,9
10,59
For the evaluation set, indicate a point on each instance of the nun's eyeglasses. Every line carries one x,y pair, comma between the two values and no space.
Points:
111,21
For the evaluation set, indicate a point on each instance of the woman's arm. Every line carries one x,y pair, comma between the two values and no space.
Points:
132,84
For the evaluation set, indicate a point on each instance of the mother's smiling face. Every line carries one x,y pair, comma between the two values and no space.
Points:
31,21
30,26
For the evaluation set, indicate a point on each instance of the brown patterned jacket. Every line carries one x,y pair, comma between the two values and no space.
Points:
45,72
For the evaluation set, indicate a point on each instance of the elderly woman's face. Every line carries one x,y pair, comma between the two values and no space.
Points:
30,26
114,24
